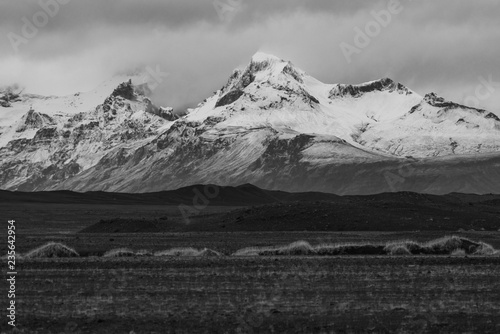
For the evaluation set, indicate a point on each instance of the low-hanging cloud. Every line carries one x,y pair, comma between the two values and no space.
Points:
445,46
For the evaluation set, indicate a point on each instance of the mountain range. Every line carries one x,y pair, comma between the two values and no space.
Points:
271,125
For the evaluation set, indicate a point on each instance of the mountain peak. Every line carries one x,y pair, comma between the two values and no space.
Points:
384,84
440,102
125,90
433,99
260,57
262,67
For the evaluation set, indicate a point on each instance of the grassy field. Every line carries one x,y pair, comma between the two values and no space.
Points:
224,242
269,294
260,295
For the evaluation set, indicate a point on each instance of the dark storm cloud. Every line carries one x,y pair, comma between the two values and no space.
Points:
171,13
180,13
445,46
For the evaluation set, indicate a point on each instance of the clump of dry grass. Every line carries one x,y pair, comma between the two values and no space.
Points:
445,245
442,246
210,253
51,249
251,251
304,248
184,251
458,252
144,252
120,252
188,251
295,248
485,249
398,250
411,246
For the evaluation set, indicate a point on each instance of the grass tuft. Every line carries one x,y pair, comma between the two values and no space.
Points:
51,249
210,253
398,250
185,251
144,252
188,251
442,246
411,246
485,249
251,251
459,253
120,252
295,248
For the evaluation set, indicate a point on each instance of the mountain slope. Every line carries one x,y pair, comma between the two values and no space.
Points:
271,125
48,145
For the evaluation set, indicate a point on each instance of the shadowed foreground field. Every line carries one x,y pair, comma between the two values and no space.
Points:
260,295
269,294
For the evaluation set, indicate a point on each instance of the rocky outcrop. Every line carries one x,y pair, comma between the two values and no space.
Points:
125,90
7,97
34,120
63,147
385,84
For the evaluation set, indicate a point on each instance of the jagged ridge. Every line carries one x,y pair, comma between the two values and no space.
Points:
271,125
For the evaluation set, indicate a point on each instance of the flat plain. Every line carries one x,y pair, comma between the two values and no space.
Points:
260,295
228,294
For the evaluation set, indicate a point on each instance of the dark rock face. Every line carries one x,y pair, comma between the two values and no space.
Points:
440,102
492,116
35,120
18,145
7,97
229,98
61,173
45,134
212,120
385,84
308,98
167,114
293,73
239,81
125,90
110,106
179,132
416,108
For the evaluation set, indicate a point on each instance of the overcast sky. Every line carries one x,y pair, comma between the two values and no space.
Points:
448,46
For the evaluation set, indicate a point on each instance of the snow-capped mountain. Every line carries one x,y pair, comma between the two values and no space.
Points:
46,140
271,125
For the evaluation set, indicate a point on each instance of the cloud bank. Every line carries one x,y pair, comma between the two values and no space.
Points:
450,47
